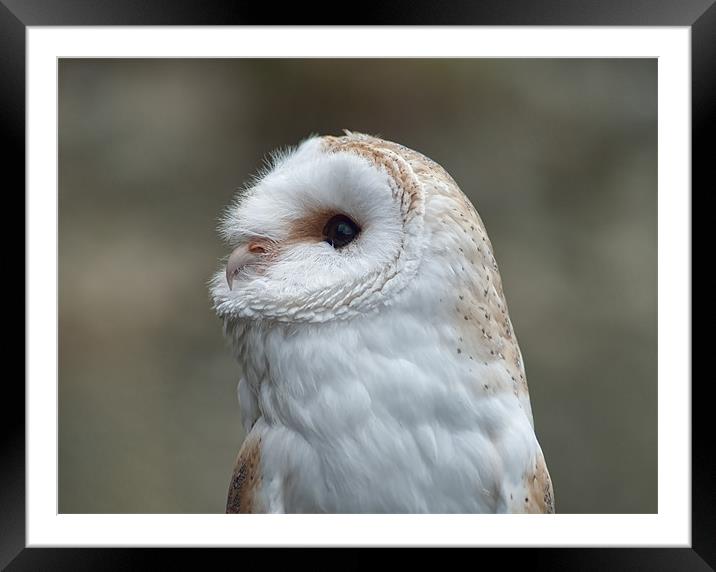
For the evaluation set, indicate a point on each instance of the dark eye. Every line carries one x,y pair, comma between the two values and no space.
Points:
340,230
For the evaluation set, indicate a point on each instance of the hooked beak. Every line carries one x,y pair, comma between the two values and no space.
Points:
242,256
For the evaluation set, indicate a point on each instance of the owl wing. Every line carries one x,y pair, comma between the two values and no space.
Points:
246,479
539,487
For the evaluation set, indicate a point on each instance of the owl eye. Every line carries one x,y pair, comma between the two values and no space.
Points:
340,230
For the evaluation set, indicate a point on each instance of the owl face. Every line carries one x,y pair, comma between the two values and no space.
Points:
331,230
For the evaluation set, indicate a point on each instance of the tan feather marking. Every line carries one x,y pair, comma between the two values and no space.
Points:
540,498
482,323
423,167
246,479
311,227
379,153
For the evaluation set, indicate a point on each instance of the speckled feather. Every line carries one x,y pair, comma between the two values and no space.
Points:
385,377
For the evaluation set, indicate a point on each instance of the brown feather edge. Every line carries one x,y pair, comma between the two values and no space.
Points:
246,479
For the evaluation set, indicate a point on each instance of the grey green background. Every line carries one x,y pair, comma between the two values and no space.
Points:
559,157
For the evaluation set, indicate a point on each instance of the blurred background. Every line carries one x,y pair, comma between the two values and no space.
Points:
559,157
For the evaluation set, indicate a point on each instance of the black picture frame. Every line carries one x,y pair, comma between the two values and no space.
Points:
17,15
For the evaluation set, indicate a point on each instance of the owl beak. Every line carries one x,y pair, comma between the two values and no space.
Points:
242,256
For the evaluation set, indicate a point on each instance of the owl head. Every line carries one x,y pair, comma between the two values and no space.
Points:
339,227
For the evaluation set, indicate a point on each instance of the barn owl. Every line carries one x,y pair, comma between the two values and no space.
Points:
381,373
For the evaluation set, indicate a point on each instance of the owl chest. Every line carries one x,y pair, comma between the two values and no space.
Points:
358,428
383,465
